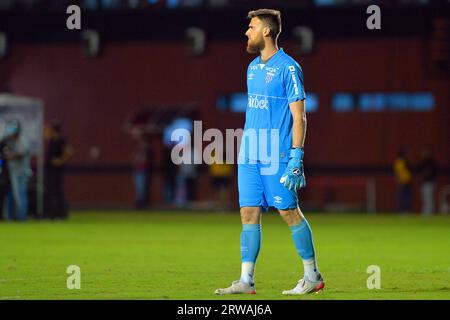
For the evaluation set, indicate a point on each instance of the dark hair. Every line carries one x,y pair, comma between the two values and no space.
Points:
271,17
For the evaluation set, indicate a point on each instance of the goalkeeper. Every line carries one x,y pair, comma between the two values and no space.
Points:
276,105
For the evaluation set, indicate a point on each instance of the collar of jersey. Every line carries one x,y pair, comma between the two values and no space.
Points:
272,58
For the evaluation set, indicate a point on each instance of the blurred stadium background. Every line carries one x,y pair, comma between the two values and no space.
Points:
370,92
147,67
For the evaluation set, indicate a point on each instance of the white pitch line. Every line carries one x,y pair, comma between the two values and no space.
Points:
28,279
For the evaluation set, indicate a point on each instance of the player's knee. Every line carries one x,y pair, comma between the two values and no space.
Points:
250,215
291,216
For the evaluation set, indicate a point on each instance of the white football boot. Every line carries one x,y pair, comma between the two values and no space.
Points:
307,286
237,287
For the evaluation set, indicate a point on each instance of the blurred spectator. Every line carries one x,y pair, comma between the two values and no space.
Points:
221,174
169,173
403,175
17,153
427,172
4,175
186,180
142,161
59,152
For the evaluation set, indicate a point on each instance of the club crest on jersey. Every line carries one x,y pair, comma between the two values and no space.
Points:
269,76
251,76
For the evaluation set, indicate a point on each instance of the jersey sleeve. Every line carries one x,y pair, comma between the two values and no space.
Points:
293,80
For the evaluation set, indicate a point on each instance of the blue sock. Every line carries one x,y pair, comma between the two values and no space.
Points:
250,242
302,236
250,245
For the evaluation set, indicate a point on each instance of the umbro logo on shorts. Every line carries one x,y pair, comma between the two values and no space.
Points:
278,199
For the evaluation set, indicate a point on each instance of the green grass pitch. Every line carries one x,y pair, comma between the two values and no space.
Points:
183,255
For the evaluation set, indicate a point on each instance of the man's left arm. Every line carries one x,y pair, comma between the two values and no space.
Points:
293,177
299,123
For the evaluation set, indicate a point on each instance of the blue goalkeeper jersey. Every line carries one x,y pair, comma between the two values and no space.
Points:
268,121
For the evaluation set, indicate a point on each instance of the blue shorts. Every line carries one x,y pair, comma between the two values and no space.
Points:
259,185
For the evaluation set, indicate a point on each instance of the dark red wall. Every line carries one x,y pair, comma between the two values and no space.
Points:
92,97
